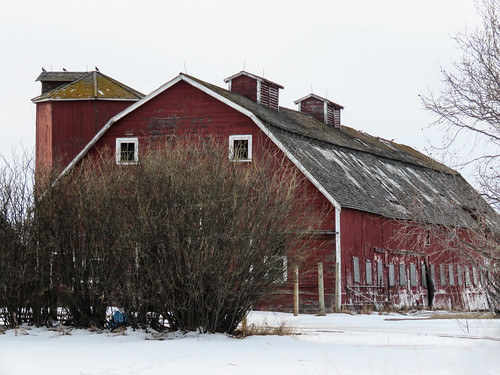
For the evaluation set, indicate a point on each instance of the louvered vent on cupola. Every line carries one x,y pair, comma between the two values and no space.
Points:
256,88
320,108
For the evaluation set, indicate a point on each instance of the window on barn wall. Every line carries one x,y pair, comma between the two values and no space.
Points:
467,276
432,274
380,273
281,262
413,274
452,276
402,274
442,274
391,274
240,148
127,151
459,275
369,280
422,275
474,276
284,262
355,265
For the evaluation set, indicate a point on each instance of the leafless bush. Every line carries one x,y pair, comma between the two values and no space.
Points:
186,235
214,237
17,265
81,232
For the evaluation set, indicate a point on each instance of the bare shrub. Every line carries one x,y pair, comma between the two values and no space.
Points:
185,236
214,237
18,289
81,237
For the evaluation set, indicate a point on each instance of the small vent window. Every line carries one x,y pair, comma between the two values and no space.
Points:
369,272
402,274
355,264
127,150
413,274
380,273
475,278
423,275
391,274
442,275
467,276
459,275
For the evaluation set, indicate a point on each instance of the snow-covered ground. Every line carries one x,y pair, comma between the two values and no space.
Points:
333,344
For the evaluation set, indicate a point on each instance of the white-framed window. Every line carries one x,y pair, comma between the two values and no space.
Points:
240,148
127,150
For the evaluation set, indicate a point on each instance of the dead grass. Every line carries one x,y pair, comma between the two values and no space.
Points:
464,315
265,329
61,331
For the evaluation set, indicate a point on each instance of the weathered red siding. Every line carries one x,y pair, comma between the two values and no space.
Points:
65,127
405,247
246,86
313,107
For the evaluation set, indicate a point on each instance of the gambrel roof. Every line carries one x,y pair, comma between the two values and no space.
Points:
351,168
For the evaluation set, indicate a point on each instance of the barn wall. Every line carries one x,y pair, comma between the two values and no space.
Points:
74,123
63,128
184,110
402,249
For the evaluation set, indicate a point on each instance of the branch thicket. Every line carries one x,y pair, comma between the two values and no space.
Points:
185,235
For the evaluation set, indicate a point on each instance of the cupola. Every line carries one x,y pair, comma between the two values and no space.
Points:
256,88
320,108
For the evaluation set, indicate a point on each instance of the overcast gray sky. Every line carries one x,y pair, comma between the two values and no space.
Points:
373,57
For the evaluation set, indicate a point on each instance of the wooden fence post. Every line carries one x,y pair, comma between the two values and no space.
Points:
296,292
321,289
244,327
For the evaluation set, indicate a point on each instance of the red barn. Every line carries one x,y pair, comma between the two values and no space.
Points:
375,189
